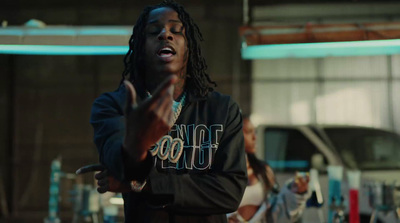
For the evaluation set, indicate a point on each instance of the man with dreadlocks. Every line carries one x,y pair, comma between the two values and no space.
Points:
164,132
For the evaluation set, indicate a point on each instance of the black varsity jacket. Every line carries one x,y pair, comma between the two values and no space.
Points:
197,173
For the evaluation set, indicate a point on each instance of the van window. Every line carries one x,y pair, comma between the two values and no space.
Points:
287,150
366,149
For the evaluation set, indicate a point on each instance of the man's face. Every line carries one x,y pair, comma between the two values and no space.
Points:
166,50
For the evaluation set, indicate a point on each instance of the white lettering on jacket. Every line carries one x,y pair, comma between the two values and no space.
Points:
188,147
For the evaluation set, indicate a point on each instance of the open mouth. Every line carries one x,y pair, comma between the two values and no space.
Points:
166,51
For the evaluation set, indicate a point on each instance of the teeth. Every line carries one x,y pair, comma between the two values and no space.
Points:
166,52
166,48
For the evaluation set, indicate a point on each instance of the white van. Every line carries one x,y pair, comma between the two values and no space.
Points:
375,152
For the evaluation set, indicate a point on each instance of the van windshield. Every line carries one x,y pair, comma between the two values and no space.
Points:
366,149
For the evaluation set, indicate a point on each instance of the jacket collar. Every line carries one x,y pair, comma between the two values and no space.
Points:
194,98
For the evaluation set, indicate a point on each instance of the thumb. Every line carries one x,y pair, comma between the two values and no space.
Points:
89,168
130,96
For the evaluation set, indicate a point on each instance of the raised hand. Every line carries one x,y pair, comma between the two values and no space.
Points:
300,183
105,182
148,121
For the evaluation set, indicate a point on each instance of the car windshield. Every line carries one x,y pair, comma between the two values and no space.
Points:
365,148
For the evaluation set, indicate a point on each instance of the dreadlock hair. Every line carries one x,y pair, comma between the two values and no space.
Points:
257,165
197,80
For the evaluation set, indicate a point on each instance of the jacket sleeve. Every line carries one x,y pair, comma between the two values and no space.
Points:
109,130
289,206
218,191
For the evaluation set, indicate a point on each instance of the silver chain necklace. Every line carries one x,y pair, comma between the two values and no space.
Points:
176,106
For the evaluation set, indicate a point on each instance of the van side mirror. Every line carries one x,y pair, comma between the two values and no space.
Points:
317,162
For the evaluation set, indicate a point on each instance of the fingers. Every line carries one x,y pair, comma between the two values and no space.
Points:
300,185
165,111
302,176
163,88
300,182
161,101
130,96
90,168
101,175
102,189
103,183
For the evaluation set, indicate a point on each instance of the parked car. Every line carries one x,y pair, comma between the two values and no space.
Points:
376,152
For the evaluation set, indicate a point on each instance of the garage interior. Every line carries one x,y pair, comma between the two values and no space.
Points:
285,62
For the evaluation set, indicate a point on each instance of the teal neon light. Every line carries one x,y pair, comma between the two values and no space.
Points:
329,49
67,31
279,164
62,50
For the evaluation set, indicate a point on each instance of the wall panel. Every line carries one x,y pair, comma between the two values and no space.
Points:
337,90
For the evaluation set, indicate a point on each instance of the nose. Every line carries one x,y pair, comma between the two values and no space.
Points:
165,35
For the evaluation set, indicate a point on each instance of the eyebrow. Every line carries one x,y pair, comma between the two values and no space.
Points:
171,21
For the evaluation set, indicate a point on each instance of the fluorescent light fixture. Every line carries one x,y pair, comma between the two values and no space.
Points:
326,49
67,31
63,50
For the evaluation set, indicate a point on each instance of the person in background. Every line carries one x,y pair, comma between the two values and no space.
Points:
262,200
174,145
